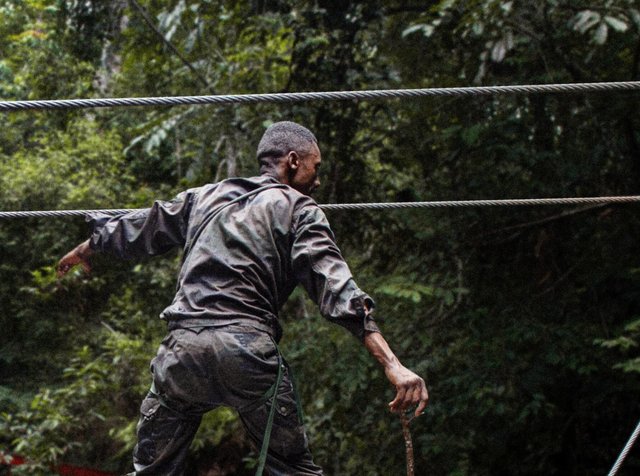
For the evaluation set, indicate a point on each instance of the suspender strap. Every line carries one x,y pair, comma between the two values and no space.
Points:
271,394
216,211
294,384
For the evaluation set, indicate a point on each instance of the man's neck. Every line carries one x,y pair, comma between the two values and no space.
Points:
275,172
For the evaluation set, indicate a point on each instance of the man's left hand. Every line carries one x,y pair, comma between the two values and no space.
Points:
77,256
411,390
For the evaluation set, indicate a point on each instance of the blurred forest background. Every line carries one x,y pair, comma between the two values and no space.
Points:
525,321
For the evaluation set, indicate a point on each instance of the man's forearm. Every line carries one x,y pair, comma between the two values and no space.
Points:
380,350
410,388
84,250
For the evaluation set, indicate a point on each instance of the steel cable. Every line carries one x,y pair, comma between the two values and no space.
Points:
318,96
360,206
625,451
481,203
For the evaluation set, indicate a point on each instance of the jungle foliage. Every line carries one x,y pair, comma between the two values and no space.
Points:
524,321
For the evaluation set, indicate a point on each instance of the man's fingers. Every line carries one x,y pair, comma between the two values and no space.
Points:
398,402
424,399
66,264
406,397
416,395
412,395
62,268
411,391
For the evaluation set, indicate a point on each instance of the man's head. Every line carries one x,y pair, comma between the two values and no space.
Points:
290,152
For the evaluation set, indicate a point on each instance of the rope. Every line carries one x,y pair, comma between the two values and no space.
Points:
61,213
359,206
480,203
625,451
317,96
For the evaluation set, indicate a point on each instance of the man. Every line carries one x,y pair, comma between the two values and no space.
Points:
247,243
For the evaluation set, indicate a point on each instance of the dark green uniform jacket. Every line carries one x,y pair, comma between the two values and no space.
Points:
241,262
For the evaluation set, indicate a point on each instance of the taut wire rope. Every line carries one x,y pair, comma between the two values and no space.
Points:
625,451
319,96
363,206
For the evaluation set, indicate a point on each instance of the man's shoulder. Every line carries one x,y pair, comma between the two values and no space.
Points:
279,195
228,187
272,189
298,201
243,184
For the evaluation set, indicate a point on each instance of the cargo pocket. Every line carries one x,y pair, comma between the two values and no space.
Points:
161,431
286,406
288,437
146,449
286,401
149,407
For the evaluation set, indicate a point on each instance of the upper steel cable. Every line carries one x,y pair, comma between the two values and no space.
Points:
319,96
363,206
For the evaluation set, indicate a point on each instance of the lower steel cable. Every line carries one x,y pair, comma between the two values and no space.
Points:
361,206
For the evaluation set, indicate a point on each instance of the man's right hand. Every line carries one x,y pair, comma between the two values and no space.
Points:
78,256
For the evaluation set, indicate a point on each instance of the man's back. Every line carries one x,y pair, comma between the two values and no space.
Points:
238,262
242,261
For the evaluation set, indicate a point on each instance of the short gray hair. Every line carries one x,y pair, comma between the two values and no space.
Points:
283,137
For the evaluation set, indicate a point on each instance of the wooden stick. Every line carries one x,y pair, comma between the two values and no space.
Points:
408,444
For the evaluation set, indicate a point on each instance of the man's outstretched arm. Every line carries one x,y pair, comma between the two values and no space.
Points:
78,256
410,388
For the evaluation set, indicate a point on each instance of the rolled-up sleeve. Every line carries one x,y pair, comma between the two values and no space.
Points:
319,266
152,231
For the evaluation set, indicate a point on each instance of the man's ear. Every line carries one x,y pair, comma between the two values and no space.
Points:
293,159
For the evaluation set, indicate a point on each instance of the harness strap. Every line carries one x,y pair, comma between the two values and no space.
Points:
216,211
270,394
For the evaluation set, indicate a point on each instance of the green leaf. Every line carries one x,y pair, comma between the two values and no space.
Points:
470,135
601,34
632,365
425,29
635,16
585,19
616,23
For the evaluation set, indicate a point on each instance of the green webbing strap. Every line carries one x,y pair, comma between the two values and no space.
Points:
216,211
294,385
272,394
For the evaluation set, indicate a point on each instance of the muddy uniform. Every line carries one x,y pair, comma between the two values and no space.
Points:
247,244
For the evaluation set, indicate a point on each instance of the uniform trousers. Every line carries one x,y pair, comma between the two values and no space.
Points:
197,370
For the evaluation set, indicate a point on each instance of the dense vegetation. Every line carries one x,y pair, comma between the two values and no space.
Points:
524,321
